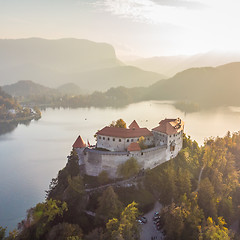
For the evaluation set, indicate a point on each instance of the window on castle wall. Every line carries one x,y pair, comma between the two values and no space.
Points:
127,140
120,140
113,139
108,139
103,138
172,148
99,137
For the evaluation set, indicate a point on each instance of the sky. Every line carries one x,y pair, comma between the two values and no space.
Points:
141,28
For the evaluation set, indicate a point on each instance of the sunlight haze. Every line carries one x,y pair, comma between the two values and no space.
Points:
134,27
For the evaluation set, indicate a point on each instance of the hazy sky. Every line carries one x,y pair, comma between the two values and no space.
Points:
134,27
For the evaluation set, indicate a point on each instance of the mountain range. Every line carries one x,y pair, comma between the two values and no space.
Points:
27,88
207,86
90,65
171,65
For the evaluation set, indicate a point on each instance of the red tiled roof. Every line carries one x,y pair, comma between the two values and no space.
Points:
134,147
133,125
79,143
170,126
124,132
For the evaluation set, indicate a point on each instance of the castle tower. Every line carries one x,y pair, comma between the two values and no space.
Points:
79,143
79,146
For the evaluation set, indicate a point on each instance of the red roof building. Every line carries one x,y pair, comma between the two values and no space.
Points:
170,126
124,132
133,147
79,143
133,125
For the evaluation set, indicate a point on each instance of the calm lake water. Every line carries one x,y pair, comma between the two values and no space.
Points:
31,156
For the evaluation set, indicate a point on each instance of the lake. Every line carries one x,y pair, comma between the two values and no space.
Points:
30,156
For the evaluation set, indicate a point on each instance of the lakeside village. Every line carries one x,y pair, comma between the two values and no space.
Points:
116,145
20,114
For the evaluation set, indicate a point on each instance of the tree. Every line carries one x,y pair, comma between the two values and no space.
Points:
174,221
2,230
125,228
181,221
212,231
128,169
63,231
39,218
76,184
72,165
119,123
103,177
108,205
207,199
141,143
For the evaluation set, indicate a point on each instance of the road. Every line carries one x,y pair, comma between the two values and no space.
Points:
148,229
124,183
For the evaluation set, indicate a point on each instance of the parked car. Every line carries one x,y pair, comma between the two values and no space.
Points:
139,221
143,219
156,214
156,218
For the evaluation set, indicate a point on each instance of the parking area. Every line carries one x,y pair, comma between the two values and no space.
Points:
149,229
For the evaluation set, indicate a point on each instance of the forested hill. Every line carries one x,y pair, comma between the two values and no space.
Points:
206,86
28,88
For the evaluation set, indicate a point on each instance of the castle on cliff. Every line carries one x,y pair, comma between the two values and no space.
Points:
116,145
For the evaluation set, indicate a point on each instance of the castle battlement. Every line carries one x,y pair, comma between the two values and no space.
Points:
116,145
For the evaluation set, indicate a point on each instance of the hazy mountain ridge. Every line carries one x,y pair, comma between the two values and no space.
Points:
56,62
27,88
70,89
171,65
63,54
207,86
202,87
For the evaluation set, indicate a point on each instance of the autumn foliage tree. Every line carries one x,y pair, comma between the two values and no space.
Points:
108,205
129,168
120,123
126,227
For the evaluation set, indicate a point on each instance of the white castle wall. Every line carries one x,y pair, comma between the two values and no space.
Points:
94,161
177,141
97,161
119,144
160,138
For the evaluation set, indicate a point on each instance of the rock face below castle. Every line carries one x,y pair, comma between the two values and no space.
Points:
116,145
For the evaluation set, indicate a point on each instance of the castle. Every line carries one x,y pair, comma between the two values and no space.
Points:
116,145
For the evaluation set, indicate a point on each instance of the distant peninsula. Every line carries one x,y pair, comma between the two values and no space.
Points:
12,113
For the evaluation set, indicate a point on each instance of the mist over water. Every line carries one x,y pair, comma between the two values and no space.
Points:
30,156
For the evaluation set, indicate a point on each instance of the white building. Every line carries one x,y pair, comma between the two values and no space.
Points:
118,139
116,145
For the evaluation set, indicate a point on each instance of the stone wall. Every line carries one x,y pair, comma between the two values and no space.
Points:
119,144
97,161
